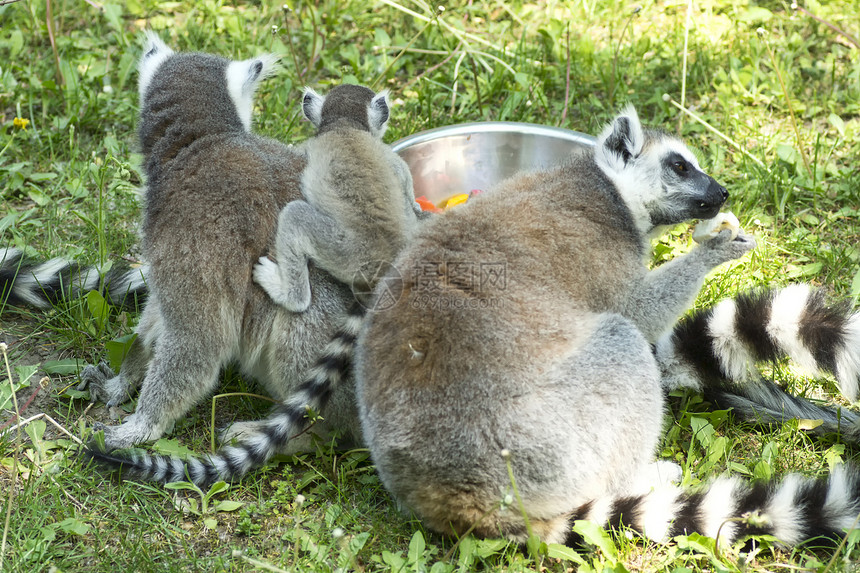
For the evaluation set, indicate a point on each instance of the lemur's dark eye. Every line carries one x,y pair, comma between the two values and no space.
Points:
681,167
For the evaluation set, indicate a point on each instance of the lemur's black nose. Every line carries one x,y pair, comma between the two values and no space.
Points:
716,192
708,205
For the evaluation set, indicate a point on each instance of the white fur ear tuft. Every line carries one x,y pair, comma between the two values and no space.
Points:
262,67
155,51
621,141
378,114
243,77
154,45
312,104
248,74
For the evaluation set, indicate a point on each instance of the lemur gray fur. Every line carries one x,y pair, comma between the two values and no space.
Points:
525,337
358,211
210,209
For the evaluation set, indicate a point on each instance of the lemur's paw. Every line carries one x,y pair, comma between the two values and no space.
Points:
104,385
729,249
134,430
285,291
267,276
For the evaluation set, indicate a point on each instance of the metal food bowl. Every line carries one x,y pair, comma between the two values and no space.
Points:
458,158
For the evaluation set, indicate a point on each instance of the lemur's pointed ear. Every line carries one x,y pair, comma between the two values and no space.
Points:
622,140
153,45
155,51
247,74
243,79
312,104
378,114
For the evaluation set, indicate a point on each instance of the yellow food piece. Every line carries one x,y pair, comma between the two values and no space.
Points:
454,200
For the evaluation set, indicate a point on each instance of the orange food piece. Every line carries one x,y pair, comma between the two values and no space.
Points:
427,205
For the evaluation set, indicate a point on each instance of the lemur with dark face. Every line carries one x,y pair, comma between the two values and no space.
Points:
553,369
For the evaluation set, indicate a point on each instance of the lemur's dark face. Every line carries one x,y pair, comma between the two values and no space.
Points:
656,174
689,192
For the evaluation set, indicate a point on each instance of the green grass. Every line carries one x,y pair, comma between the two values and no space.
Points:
787,97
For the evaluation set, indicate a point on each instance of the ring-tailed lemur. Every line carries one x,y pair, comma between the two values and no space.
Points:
214,191
524,337
359,209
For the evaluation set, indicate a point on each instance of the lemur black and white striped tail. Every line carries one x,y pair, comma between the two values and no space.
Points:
230,463
793,510
715,351
43,285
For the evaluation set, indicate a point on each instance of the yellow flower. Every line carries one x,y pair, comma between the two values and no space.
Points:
21,122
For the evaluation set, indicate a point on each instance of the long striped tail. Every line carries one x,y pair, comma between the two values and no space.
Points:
715,351
794,510
43,285
288,418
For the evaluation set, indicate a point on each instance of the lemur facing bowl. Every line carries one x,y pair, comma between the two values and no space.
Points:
356,211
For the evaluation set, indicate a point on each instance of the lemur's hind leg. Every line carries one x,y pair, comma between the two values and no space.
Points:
178,377
184,367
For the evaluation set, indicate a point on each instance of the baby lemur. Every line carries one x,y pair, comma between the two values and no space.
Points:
358,208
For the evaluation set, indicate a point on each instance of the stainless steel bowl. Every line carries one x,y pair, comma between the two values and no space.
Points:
459,158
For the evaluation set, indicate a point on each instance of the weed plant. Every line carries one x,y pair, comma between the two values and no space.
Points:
769,93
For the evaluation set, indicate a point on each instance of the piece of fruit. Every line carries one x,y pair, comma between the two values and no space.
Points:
427,205
710,228
454,201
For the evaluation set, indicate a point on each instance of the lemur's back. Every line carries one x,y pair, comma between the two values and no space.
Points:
494,306
530,243
213,189
217,206
350,177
